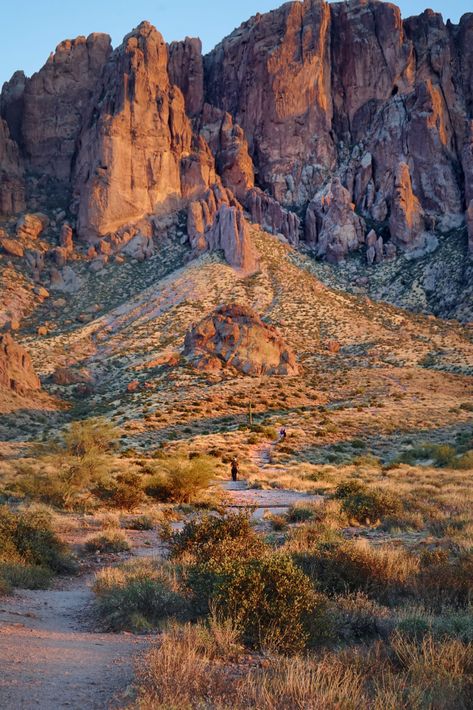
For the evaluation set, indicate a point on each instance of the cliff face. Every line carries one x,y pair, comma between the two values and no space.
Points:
323,121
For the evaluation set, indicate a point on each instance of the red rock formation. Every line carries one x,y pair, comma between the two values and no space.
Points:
186,70
12,104
273,76
12,185
55,101
406,223
269,213
332,225
16,370
290,100
235,336
129,162
216,222
228,144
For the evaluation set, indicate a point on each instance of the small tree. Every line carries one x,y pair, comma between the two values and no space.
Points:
87,444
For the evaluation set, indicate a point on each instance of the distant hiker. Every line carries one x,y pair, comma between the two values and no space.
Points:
282,433
234,468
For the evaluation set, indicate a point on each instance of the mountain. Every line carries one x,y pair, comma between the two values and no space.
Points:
312,169
340,126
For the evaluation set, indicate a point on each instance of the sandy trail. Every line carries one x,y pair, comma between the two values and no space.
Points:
275,500
51,657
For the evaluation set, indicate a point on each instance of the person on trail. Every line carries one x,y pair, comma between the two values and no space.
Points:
234,468
282,433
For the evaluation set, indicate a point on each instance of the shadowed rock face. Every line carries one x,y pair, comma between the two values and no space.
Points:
16,370
235,336
294,102
12,184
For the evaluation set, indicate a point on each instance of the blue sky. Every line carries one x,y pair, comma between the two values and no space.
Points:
31,29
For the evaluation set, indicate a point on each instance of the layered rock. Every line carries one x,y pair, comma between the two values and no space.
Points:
228,144
272,216
332,226
129,161
216,222
16,370
56,100
12,183
273,75
406,222
234,336
186,70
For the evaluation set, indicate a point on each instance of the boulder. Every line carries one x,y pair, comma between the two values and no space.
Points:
234,336
30,226
16,370
12,247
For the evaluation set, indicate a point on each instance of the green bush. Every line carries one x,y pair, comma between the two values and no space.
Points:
109,541
216,537
181,479
299,514
124,492
25,577
30,551
267,597
364,504
28,538
138,595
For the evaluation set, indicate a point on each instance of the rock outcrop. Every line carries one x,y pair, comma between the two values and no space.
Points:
234,336
186,70
16,370
273,76
12,183
56,100
332,226
406,222
216,222
297,115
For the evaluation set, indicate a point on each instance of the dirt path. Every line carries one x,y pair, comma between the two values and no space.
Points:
51,657
274,500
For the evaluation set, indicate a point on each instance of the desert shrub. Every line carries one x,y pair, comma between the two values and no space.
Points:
267,597
25,576
383,573
216,537
142,522
180,674
90,437
138,595
28,538
108,541
366,505
445,579
278,522
440,671
181,479
464,462
123,492
299,514
357,617
30,551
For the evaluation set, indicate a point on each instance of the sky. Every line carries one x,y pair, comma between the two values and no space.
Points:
30,29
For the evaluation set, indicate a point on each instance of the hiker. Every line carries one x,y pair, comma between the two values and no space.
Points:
282,433
234,468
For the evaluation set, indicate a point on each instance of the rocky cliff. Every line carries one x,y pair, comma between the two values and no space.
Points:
323,122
